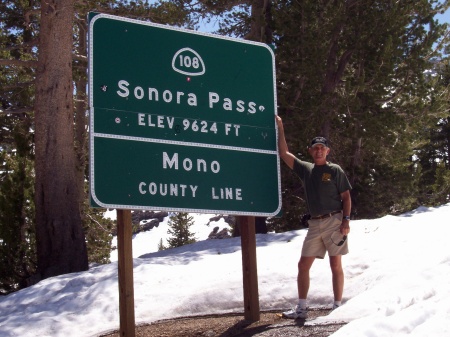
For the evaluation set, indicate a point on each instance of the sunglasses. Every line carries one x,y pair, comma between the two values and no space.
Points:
340,243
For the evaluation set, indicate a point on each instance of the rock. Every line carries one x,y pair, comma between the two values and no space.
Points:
215,234
143,221
229,219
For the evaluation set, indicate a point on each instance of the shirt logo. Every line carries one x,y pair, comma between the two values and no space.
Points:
326,177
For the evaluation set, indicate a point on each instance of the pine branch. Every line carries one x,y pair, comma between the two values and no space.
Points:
16,111
5,88
32,43
20,63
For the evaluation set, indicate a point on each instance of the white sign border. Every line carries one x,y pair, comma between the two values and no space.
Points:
92,133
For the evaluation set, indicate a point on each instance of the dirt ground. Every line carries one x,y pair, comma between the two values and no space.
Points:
231,325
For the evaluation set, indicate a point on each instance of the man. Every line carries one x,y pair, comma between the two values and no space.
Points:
328,199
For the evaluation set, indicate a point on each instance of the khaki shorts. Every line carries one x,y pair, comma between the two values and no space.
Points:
320,238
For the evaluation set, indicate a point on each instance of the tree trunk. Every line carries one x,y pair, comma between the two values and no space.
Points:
80,113
354,178
447,133
261,30
61,246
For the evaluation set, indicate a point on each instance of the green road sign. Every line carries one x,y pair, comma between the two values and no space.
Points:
181,120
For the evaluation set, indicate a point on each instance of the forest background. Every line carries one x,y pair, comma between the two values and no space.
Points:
372,76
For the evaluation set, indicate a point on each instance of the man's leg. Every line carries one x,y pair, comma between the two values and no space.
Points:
300,311
338,276
304,265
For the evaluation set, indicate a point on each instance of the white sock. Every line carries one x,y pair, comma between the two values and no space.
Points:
337,303
302,303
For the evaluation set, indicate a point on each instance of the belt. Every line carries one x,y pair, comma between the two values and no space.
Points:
324,216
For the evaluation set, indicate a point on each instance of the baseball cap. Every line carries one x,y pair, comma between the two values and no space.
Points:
319,140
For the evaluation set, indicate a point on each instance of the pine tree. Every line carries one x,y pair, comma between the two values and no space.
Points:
355,72
17,234
179,229
161,245
25,117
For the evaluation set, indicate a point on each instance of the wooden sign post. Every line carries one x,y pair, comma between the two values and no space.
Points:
249,268
125,264
200,103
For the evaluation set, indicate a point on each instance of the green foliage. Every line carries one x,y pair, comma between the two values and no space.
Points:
17,235
19,38
441,187
433,159
179,229
356,72
98,233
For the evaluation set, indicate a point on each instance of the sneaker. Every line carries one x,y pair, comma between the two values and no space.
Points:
335,306
295,313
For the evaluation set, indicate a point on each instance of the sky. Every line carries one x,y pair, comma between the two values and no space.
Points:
444,18
397,282
210,27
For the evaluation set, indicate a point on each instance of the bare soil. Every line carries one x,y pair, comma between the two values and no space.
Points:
231,325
